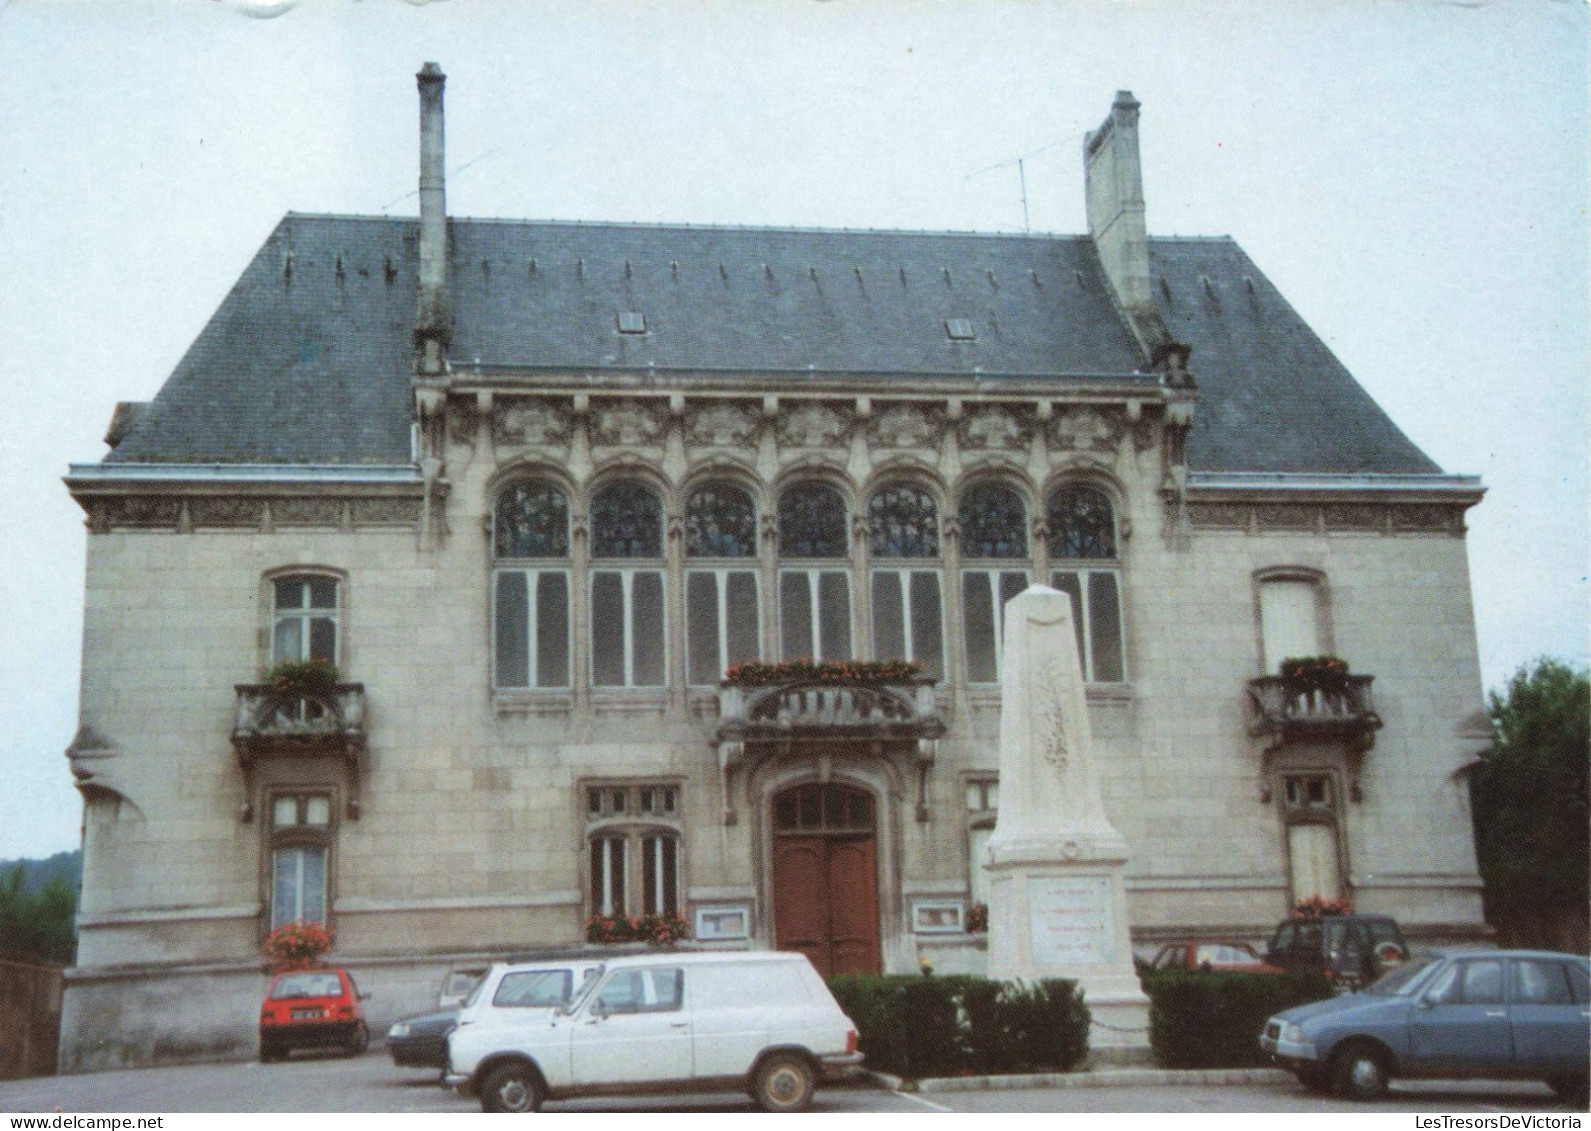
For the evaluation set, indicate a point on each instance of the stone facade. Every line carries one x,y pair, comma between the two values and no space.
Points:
466,808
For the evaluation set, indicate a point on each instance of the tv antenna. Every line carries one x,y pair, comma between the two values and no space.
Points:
1020,162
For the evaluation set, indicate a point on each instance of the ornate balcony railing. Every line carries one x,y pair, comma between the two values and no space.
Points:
1288,713
896,718
268,722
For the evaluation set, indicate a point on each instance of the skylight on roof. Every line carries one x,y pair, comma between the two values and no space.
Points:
632,322
960,329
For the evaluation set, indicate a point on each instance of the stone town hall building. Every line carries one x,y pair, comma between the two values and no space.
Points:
533,487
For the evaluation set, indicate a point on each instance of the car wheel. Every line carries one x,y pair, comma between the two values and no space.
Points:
784,1083
511,1088
359,1042
1360,1073
1572,1090
1314,1078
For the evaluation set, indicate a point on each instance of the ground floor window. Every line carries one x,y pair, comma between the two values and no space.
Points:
633,853
301,834
983,804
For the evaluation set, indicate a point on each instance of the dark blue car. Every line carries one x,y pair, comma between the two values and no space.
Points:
1492,1014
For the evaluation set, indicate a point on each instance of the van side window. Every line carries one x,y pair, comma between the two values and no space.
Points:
533,989
644,990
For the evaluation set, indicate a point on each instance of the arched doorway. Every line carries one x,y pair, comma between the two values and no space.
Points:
825,877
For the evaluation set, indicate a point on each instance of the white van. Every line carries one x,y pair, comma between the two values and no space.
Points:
759,1021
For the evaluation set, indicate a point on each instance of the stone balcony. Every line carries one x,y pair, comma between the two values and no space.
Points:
1285,715
271,723
894,719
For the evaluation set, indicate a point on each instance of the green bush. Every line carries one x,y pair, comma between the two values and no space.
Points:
955,1026
1214,1020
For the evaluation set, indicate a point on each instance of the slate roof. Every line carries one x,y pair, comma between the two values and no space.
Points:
308,358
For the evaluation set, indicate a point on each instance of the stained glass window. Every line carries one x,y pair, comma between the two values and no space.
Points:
1082,523
904,521
532,521
994,523
626,522
720,522
812,522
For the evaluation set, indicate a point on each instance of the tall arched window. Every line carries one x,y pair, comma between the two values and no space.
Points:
304,618
721,607
814,573
628,629
530,586
302,832
994,556
1084,563
908,624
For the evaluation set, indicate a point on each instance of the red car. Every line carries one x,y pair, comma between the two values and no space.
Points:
316,1008
1212,956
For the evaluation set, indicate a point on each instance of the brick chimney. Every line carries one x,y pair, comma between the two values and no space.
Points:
1114,184
433,322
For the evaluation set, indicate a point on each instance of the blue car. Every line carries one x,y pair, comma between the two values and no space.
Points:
1493,1014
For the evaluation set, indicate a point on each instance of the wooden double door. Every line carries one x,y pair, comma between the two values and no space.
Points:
825,877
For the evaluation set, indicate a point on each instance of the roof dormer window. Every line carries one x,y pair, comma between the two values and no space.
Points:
632,322
960,329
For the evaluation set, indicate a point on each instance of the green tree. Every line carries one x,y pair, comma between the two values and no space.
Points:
37,926
1529,796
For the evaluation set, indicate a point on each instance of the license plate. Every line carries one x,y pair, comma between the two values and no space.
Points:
306,1015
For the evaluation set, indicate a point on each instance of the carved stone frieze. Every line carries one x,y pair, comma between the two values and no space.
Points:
628,422
226,511
1355,516
462,420
1285,516
722,424
814,424
1219,516
143,510
537,421
906,426
306,512
1087,428
386,512
994,427
1427,517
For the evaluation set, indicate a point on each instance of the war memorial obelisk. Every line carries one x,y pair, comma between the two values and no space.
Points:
1057,904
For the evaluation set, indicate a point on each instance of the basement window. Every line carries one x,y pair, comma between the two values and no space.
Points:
632,322
960,329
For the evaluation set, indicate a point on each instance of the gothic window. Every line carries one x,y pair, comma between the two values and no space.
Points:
530,587
531,521
627,614
1082,545
633,847
814,574
907,616
994,543
304,618
1082,523
904,523
722,610
301,835
720,522
1310,815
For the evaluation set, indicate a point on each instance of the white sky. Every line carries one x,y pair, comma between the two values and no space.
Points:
1413,176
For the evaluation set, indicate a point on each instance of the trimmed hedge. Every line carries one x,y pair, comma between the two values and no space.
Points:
917,1027
1214,1020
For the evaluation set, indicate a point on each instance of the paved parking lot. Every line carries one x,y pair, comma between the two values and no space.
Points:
370,1083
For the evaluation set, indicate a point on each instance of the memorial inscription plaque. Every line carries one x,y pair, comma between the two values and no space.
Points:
1073,924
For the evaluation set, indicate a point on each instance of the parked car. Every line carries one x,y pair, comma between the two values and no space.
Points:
1204,956
1351,950
1512,1013
316,1008
763,1021
421,1042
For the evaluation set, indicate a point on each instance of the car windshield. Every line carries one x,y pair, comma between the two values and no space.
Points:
1403,979
306,985
580,995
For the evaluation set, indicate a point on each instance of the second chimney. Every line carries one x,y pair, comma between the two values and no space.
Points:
1114,184
432,323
